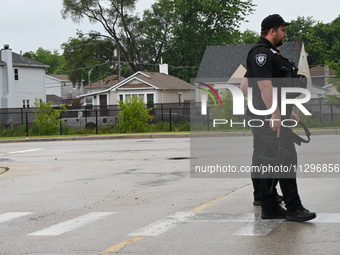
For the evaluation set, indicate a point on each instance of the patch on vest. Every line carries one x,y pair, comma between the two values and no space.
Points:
261,59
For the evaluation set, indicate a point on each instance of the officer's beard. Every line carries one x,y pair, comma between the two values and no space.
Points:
277,43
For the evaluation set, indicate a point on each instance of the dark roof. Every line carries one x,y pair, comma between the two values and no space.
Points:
321,71
220,62
22,60
106,82
54,98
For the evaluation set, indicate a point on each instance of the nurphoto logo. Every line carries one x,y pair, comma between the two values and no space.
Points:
238,101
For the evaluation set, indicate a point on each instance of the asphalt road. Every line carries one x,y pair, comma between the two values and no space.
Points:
136,196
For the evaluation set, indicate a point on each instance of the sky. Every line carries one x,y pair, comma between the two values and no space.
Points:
27,25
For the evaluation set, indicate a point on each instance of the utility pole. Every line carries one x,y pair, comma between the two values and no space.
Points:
89,76
118,55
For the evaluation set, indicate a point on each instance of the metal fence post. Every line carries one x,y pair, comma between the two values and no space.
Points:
60,124
320,109
97,121
26,124
170,119
22,116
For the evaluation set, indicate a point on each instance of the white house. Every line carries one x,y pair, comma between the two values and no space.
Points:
153,87
59,85
22,80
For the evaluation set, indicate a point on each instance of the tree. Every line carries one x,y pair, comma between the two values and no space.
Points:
196,24
336,81
298,27
248,37
55,61
321,40
176,30
133,117
89,53
47,119
116,19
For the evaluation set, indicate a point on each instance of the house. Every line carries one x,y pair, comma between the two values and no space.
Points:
59,86
226,64
323,80
321,75
102,84
22,80
153,87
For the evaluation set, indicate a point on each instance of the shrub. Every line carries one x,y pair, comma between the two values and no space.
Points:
133,117
47,119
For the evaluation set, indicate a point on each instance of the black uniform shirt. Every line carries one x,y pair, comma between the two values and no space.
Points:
264,62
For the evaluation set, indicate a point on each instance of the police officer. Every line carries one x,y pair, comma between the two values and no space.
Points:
265,66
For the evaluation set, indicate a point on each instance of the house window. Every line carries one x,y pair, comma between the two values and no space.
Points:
26,103
16,74
180,98
88,102
148,98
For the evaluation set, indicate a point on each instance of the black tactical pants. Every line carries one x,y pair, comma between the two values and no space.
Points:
284,172
257,161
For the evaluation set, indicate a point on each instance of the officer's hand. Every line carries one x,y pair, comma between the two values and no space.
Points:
275,124
293,116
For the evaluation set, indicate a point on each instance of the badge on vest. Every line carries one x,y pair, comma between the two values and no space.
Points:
261,59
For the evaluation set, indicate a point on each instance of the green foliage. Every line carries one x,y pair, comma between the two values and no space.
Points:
54,60
249,37
13,131
133,116
299,27
47,119
89,54
176,30
164,126
336,68
333,99
322,41
117,21
196,24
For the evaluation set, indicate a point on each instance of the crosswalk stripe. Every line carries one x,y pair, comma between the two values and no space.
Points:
258,228
71,224
12,215
19,152
163,225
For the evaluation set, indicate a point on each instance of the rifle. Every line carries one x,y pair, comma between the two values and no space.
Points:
280,146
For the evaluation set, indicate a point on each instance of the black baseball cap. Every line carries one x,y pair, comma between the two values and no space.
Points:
273,21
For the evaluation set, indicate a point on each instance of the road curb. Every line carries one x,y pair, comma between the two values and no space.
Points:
159,136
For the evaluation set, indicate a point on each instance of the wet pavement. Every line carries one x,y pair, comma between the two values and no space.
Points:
136,196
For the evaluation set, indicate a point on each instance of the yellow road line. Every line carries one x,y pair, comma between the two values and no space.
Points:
210,203
121,245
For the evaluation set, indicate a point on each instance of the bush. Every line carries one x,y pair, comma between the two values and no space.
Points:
133,117
47,119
